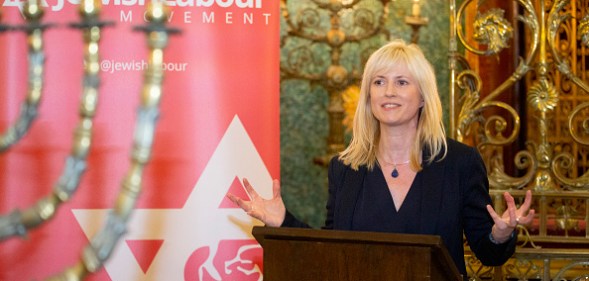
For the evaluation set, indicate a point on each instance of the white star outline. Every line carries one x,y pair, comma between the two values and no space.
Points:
199,223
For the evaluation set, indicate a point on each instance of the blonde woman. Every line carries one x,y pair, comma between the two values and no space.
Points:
400,173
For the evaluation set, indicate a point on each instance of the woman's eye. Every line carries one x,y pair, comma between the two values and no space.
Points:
402,82
379,82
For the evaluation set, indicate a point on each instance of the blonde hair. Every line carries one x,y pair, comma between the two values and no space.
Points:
431,135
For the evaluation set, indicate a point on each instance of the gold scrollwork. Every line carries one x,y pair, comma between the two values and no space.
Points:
500,180
570,267
491,29
471,83
522,269
494,129
495,125
523,242
557,138
566,161
471,110
585,124
476,270
531,21
555,19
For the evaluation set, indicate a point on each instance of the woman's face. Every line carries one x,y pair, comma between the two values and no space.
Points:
394,97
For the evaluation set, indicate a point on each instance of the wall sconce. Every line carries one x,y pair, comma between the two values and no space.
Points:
416,20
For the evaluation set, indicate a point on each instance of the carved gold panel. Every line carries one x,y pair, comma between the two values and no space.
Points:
551,80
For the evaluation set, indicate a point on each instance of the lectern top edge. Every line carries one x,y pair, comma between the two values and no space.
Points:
262,232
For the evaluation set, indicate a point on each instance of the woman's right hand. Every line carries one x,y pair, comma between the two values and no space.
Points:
271,212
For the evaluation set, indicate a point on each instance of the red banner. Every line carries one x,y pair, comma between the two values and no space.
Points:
219,123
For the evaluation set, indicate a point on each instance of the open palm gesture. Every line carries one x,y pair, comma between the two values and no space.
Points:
512,217
270,211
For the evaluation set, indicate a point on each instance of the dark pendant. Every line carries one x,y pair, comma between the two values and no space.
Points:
395,173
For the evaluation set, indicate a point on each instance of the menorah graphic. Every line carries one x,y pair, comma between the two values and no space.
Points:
18,222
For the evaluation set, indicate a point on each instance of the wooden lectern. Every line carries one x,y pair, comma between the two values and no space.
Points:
299,254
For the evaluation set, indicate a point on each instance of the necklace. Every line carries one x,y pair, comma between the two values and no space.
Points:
395,172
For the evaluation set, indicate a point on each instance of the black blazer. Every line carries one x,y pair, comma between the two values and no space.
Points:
456,192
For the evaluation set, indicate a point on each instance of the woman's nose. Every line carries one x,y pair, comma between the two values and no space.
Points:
390,91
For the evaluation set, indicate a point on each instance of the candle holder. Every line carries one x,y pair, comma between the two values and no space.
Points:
33,14
416,21
102,244
18,222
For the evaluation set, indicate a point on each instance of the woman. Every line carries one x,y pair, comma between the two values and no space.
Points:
401,175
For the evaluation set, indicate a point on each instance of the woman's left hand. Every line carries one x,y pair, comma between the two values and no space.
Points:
511,218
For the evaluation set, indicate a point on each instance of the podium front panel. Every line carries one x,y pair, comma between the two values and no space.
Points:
294,260
309,254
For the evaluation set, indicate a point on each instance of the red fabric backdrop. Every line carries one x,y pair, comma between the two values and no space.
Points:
219,123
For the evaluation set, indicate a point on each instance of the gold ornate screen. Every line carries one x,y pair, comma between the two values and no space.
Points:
535,121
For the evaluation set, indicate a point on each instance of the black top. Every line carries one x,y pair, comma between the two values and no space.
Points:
376,211
448,198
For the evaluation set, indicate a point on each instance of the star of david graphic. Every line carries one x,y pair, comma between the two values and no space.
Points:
203,222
